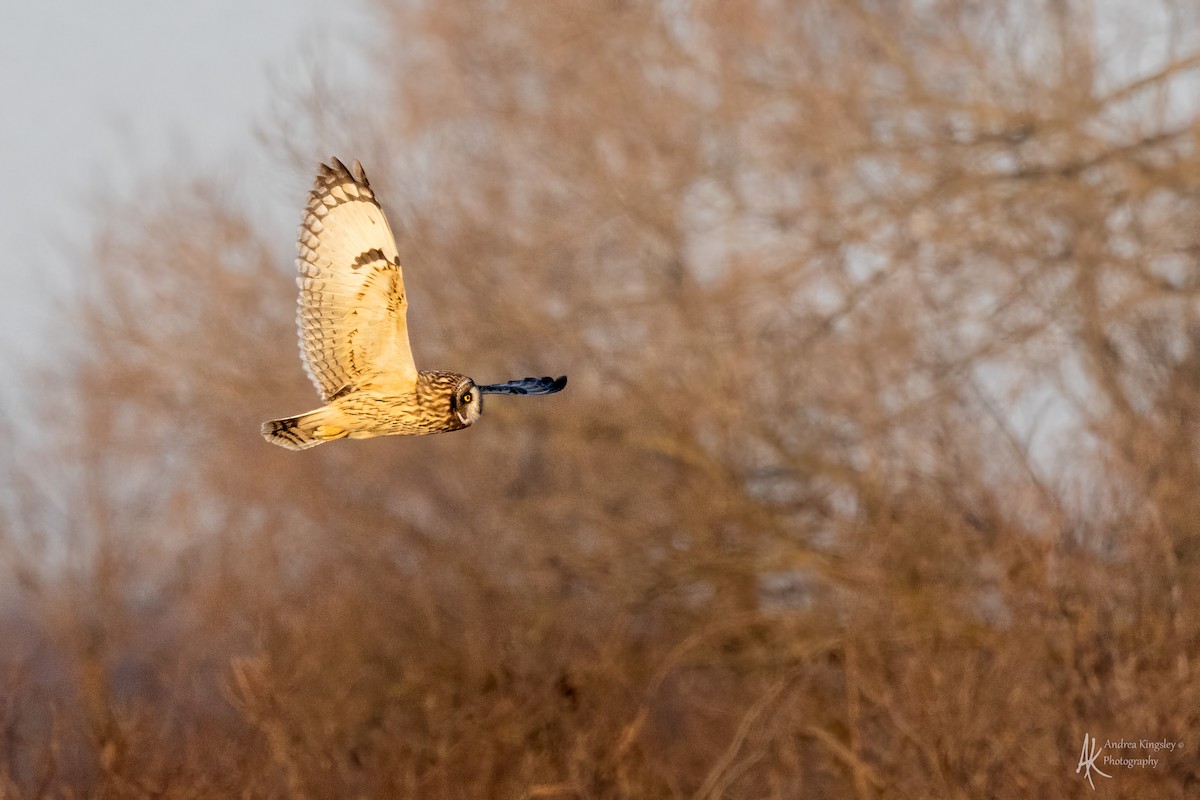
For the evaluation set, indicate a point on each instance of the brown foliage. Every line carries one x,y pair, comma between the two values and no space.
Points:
876,476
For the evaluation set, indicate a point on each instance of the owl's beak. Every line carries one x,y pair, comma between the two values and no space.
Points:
529,386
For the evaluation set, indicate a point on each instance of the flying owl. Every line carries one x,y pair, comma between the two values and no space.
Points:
354,333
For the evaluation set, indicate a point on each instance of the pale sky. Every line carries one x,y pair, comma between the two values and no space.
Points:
100,95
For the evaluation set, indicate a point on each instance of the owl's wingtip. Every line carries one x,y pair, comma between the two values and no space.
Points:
527,386
336,168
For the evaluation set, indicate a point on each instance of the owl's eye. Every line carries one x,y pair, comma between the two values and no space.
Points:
467,397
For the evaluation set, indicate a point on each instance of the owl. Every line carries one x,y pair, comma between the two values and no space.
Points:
354,333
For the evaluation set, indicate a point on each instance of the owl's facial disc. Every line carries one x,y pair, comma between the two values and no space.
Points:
467,403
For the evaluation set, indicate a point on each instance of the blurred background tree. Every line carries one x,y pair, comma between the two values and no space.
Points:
876,476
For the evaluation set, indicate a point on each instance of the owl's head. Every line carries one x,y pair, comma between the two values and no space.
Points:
449,401
466,402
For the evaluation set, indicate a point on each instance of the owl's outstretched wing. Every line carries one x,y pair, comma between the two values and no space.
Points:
353,308
530,386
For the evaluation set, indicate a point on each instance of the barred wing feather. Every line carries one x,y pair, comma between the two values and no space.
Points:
353,309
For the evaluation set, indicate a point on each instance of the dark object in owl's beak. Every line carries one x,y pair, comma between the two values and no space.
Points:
528,386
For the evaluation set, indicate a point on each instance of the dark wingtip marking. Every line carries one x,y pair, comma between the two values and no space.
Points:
354,173
329,177
527,386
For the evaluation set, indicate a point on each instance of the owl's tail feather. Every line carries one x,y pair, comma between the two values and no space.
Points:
304,430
